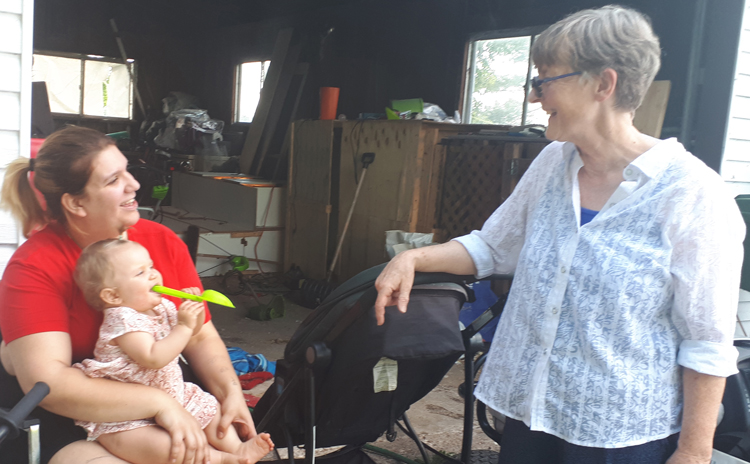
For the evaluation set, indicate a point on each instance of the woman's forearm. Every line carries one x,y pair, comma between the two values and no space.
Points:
703,394
209,359
45,357
449,257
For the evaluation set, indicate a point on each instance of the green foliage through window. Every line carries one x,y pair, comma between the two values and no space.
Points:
500,72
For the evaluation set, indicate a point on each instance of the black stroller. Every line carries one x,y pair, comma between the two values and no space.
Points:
346,381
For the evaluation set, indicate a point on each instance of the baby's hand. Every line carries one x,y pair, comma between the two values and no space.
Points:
192,290
191,315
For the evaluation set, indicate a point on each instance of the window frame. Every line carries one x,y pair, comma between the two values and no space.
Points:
470,65
83,57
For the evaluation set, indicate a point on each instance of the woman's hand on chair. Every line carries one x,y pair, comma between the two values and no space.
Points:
394,284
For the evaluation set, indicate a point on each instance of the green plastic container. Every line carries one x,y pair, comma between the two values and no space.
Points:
743,201
159,192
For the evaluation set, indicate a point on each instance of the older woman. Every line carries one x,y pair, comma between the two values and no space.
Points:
617,334
47,325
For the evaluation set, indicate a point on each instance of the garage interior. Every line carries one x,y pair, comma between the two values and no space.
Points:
279,211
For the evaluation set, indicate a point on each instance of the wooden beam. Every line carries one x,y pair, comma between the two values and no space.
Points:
257,127
302,70
277,106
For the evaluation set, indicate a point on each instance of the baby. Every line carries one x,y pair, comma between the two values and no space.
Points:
139,341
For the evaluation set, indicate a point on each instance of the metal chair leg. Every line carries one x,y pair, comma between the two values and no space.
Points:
32,427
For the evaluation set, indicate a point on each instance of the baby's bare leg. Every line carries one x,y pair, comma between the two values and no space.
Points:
151,445
252,450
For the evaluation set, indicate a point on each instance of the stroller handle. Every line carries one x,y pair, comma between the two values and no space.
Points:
12,421
367,300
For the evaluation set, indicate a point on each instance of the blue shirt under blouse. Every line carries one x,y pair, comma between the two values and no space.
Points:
587,215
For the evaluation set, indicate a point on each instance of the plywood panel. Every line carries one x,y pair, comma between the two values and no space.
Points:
309,197
430,177
354,249
649,118
388,188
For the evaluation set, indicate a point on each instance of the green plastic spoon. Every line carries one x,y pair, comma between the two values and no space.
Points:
212,296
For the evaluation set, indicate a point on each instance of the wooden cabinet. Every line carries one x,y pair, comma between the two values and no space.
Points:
402,188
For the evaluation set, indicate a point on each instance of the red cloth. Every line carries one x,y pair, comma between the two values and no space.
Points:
38,293
253,379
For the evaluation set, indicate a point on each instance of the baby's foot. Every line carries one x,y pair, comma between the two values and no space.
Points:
256,447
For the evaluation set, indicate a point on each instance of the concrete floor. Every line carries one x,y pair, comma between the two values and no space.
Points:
438,417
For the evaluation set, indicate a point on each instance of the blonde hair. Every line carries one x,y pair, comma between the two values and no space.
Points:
95,269
62,165
18,197
593,40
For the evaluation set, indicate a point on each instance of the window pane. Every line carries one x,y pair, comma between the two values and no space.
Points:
251,77
63,78
106,89
499,78
536,115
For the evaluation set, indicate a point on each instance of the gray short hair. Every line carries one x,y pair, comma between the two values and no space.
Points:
609,37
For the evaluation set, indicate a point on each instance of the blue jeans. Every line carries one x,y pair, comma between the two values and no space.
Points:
521,445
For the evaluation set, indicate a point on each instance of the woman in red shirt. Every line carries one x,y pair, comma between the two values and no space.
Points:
47,326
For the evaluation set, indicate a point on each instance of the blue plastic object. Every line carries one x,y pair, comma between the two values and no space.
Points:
485,298
244,362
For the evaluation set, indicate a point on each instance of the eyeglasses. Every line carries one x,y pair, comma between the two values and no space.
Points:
536,83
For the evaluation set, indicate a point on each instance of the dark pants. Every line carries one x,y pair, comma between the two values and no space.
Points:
55,432
520,445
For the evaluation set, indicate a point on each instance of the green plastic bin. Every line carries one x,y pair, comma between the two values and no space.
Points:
743,201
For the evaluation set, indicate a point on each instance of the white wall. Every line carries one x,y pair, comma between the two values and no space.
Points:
16,27
735,168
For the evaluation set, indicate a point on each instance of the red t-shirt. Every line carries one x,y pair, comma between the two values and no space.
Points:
38,293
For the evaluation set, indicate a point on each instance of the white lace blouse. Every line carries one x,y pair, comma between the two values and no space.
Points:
601,316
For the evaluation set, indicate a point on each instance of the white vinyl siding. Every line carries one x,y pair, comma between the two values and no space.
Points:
16,25
735,167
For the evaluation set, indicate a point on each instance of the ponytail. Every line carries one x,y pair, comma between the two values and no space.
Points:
18,197
62,166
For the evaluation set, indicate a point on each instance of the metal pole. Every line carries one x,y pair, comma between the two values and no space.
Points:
466,118
130,71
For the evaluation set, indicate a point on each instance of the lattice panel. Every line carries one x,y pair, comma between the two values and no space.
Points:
479,175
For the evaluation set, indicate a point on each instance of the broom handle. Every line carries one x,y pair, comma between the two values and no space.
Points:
346,224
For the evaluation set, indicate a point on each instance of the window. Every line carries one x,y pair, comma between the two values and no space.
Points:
249,80
86,85
498,72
